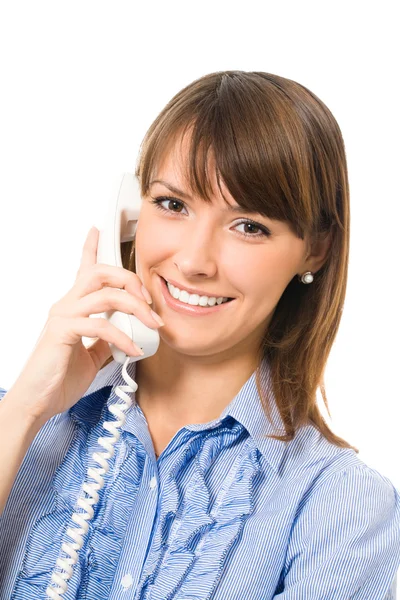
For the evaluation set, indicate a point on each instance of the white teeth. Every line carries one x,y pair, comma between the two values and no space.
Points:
194,299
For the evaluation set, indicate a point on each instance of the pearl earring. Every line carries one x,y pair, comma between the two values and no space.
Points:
306,277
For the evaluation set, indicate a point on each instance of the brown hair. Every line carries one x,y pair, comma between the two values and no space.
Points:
280,152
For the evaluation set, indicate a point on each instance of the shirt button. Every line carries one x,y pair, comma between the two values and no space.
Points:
127,581
153,482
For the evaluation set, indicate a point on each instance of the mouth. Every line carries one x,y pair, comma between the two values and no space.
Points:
190,309
225,299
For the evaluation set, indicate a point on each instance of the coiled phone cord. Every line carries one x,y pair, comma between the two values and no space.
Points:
66,564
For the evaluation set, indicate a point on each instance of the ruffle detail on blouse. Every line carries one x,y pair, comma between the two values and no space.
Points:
103,543
189,549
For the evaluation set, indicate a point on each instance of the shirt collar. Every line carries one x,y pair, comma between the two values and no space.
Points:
245,407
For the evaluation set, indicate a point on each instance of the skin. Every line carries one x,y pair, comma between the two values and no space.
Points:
202,362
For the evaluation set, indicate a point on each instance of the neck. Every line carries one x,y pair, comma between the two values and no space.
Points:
190,389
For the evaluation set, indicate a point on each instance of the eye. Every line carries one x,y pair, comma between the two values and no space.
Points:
248,222
157,202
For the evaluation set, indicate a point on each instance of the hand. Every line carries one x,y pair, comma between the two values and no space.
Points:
60,369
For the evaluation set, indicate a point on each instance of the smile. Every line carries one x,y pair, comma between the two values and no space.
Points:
195,307
194,299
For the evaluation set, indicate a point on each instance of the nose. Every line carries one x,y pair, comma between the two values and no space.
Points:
198,251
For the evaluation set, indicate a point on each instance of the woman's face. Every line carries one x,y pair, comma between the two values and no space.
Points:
204,246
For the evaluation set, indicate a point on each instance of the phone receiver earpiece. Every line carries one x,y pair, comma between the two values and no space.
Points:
120,227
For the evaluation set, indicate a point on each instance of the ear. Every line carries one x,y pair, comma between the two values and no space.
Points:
318,252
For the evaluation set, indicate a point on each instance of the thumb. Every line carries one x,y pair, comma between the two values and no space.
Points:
89,251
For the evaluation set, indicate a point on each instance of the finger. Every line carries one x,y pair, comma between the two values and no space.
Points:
89,252
69,331
100,351
102,275
111,299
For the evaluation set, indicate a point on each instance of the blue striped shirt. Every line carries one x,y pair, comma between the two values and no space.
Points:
225,513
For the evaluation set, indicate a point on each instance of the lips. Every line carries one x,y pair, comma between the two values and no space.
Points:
190,309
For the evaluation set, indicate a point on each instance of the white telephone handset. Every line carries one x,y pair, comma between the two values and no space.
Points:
120,227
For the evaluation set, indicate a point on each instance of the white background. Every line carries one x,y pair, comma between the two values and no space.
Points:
81,83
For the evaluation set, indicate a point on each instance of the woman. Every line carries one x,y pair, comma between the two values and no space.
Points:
226,483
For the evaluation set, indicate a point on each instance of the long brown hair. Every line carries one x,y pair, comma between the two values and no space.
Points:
280,152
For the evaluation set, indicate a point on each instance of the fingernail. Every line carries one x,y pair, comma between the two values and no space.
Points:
157,318
146,295
137,349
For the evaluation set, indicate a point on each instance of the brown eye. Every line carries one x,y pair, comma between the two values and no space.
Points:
170,200
264,231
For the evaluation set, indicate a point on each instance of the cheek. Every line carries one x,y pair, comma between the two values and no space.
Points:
261,276
250,272
150,240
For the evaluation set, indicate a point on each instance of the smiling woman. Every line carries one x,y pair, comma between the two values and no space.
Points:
226,483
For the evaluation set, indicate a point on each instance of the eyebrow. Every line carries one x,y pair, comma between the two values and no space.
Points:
235,209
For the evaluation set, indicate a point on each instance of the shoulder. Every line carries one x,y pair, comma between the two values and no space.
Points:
347,520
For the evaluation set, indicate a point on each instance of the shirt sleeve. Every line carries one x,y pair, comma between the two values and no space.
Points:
3,392
345,540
